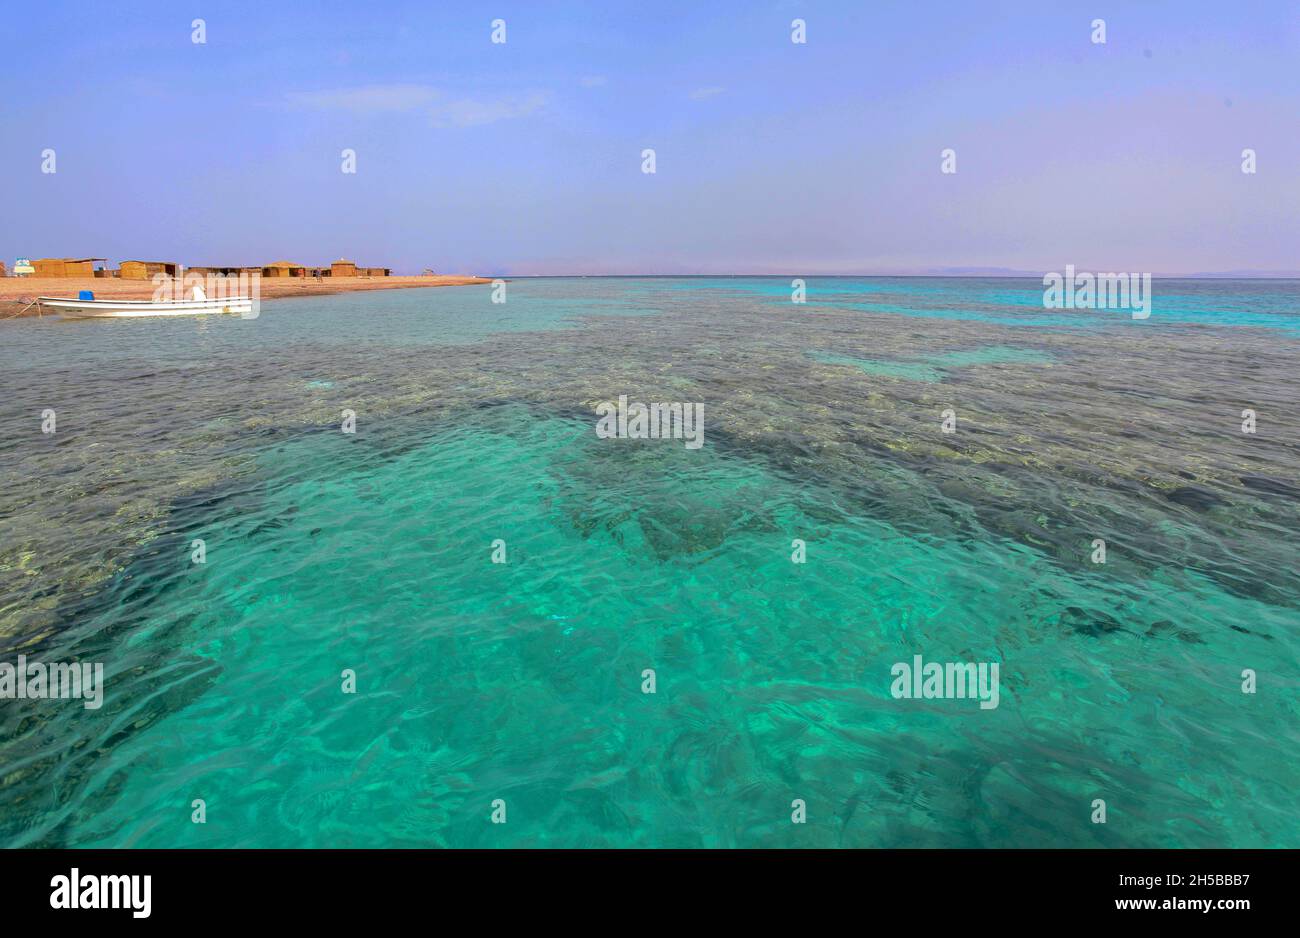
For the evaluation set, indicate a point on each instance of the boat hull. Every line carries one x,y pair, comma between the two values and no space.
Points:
117,309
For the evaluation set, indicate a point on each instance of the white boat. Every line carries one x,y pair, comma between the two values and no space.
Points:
199,305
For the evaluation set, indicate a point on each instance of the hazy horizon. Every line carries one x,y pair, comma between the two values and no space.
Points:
525,157
939,274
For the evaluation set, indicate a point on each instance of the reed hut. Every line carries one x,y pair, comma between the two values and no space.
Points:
342,268
378,271
66,266
145,270
284,269
48,267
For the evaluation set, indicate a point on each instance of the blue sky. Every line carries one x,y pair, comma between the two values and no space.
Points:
525,157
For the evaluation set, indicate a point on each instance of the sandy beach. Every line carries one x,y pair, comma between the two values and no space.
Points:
17,292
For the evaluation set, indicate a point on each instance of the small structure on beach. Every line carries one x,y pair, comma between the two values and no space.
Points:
66,266
342,268
145,270
284,269
377,271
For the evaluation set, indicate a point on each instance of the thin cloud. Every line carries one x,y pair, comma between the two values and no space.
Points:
699,94
592,81
443,109
472,112
368,99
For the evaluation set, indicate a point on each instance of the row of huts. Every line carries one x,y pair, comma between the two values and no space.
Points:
146,270
339,268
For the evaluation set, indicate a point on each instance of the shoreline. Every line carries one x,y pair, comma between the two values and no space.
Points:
17,292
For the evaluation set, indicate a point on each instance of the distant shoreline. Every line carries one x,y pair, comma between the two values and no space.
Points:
18,292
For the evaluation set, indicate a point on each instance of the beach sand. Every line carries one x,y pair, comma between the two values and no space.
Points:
18,292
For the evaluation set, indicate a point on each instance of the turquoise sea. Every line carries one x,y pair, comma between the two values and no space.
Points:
521,683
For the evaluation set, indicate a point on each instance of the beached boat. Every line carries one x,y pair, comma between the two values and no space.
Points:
87,306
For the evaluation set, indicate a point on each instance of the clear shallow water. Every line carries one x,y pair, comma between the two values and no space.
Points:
521,681
934,367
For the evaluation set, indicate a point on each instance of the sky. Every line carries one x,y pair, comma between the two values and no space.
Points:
525,157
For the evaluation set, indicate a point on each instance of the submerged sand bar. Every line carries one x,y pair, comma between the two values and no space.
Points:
17,292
